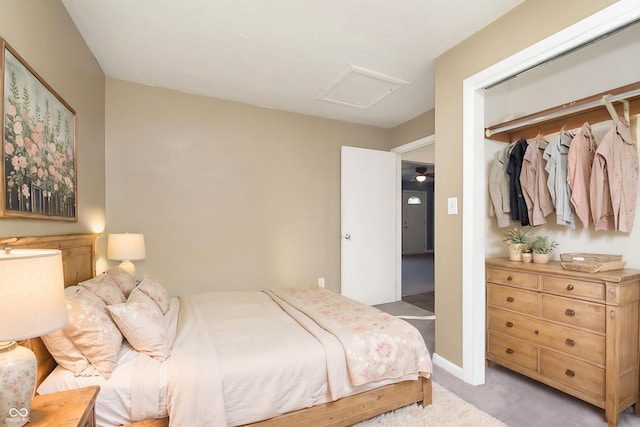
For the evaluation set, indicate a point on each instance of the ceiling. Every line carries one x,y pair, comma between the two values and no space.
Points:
360,61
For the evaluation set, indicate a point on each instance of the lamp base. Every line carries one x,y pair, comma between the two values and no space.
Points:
128,266
18,370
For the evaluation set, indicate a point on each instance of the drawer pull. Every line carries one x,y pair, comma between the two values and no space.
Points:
569,287
509,278
509,351
536,332
509,325
569,342
570,373
569,312
510,299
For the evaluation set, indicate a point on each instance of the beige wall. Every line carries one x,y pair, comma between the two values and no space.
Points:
229,196
44,35
414,129
525,25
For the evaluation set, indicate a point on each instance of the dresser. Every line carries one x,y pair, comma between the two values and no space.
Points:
577,332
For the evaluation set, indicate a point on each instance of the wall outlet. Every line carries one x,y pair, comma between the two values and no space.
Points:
321,282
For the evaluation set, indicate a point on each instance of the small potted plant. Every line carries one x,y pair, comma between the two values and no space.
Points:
542,247
527,256
517,239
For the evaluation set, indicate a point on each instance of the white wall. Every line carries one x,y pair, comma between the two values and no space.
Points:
607,64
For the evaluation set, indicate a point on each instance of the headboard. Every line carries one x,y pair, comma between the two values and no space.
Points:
78,264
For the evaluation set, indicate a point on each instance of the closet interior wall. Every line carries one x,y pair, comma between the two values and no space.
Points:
600,68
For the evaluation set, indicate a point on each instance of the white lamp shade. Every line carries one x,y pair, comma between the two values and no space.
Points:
126,246
32,299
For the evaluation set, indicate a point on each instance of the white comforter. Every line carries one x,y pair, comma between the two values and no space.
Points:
253,361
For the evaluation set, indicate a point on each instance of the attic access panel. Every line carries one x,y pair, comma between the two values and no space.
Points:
360,88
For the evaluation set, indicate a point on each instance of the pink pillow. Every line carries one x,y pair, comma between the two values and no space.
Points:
122,279
142,324
156,292
92,331
104,287
67,355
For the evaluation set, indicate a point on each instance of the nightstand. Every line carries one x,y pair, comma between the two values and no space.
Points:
72,408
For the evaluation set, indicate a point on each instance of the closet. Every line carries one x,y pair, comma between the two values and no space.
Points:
538,316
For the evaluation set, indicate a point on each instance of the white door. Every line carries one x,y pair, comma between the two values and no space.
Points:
414,222
369,207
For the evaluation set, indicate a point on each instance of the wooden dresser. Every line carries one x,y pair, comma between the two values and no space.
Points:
577,332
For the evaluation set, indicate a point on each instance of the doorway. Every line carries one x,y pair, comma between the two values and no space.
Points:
418,287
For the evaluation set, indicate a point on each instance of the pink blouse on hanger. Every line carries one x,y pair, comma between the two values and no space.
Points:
614,181
579,162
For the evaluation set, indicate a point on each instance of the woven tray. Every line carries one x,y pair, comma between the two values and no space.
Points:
591,263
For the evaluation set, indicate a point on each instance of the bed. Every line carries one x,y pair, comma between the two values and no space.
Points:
323,387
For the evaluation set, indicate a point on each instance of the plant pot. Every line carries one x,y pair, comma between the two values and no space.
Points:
515,252
527,257
540,258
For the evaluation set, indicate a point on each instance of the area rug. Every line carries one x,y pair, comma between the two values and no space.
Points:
447,409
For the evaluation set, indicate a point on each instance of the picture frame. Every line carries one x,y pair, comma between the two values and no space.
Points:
39,157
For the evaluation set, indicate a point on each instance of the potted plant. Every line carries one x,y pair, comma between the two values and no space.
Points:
516,239
542,247
527,256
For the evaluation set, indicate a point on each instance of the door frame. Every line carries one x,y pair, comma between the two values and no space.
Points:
474,177
400,150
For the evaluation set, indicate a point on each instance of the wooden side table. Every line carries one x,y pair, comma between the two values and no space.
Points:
72,408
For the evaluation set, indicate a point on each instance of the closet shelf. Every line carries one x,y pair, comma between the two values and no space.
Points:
571,115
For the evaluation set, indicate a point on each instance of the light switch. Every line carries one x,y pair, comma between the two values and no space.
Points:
452,203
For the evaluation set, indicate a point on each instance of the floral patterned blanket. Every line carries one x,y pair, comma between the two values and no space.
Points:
377,345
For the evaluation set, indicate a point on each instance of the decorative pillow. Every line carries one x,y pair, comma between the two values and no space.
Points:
104,287
155,291
67,355
92,331
140,321
71,290
122,279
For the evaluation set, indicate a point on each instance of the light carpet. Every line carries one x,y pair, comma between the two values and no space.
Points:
447,409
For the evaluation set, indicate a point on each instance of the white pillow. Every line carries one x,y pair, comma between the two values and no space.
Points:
155,291
104,287
142,324
92,331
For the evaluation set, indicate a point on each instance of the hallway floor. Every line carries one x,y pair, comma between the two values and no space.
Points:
418,281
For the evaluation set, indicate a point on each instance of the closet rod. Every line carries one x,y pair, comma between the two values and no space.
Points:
564,112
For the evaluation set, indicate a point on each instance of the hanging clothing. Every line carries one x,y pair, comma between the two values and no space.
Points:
519,211
556,157
614,180
500,205
579,162
533,180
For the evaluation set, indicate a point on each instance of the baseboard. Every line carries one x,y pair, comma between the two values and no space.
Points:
451,368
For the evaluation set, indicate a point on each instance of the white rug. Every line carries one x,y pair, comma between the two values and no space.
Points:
447,409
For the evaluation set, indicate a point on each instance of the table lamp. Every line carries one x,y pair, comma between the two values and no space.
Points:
32,303
126,248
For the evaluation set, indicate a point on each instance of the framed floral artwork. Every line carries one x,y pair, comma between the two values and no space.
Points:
39,162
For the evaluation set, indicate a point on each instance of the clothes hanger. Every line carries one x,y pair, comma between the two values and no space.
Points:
612,111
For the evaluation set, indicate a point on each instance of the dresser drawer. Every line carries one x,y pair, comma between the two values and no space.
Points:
513,298
581,314
577,374
512,278
512,324
513,350
573,288
573,342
